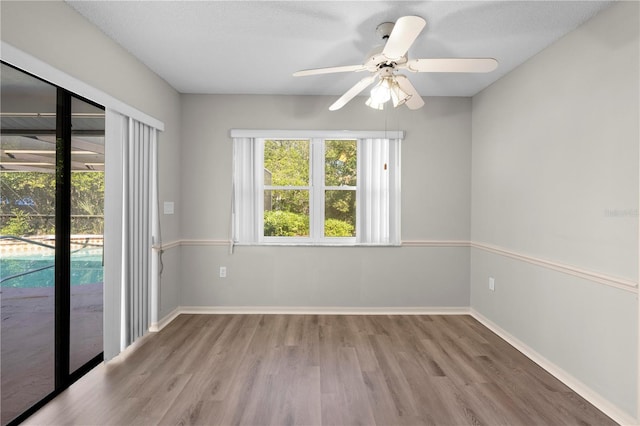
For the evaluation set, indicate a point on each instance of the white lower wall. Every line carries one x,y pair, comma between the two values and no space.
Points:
169,295
326,277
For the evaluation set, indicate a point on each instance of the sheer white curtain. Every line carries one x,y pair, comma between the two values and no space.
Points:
378,192
130,185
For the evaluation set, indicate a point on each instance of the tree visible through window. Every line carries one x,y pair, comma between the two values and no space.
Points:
340,176
286,195
290,190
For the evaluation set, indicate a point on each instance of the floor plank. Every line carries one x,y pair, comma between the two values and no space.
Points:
320,370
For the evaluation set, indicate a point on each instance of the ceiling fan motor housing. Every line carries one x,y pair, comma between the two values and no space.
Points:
376,60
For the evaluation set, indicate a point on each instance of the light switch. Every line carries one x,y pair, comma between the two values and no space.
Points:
168,207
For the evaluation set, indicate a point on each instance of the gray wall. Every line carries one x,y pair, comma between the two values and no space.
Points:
555,176
56,34
435,206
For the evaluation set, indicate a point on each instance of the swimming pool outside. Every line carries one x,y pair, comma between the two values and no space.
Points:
86,268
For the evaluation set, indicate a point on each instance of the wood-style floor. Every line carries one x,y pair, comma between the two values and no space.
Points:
329,370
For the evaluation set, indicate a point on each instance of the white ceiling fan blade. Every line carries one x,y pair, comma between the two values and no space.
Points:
452,65
415,101
329,70
353,92
404,33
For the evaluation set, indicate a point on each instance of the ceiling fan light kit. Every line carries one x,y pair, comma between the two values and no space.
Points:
384,62
387,89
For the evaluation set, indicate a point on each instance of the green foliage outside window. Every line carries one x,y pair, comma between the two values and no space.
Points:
338,228
285,224
18,224
27,204
286,163
341,169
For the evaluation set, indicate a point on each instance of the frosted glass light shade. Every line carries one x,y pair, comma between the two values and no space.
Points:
387,89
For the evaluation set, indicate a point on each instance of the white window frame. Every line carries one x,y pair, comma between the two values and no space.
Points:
316,188
320,194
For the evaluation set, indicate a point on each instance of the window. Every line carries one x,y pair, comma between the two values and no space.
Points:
309,189
286,185
316,188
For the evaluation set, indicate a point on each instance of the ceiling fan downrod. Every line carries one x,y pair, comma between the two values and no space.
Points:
384,30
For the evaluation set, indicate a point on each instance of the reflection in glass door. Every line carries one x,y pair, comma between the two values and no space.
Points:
27,241
51,221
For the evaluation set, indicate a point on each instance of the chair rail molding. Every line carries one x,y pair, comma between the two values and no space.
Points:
597,277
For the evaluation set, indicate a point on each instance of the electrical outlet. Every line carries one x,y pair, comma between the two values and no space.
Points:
223,272
492,284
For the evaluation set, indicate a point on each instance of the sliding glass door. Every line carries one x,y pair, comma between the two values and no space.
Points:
51,227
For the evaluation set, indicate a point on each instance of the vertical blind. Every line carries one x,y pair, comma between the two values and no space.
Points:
137,229
378,195
244,212
130,185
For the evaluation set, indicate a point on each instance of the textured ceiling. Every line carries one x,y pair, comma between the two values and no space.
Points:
253,47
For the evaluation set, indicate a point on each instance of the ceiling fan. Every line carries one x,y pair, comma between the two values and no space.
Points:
384,62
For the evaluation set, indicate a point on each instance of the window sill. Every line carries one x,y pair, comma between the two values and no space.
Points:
315,244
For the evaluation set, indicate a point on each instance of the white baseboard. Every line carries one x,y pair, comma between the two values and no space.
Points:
157,326
306,310
324,310
576,385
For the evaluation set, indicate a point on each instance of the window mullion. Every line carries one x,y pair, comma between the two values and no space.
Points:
317,190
